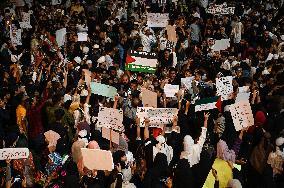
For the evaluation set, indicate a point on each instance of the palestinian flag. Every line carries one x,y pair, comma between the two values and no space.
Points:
141,61
208,104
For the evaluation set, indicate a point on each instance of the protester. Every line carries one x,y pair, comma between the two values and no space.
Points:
73,78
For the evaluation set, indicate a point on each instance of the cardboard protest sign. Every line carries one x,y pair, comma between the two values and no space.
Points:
219,45
224,87
110,118
96,159
142,114
241,114
224,172
82,36
222,9
141,61
60,37
103,90
186,82
14,153
110,135
15,35
171,33
171,90
149,98
159,116
157,19
87,76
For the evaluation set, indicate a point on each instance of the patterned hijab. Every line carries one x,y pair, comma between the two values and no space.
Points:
224,153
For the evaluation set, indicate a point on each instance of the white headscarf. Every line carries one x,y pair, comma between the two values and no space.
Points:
162,147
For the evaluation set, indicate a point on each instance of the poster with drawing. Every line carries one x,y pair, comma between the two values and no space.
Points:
241,114
157,19
110,118
224,87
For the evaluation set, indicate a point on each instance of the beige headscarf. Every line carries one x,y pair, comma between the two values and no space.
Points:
51,137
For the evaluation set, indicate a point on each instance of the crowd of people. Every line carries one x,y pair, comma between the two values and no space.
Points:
47,106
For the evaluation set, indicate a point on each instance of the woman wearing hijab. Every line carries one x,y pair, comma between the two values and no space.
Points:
156,177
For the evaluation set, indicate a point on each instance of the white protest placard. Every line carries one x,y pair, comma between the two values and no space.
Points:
96,159
110,135
82,36
224,87
14,153
186,82
244,89
26,20
142,114
241,114
157,19
60,37
219,45
242,97
149,98
15,35
110,118
160,116
171,90
56,2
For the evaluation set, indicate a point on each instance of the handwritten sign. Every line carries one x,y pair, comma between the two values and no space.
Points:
142,114
222,9
96,159
241,114
26,20
159,116
110,135
157,19
171,90
224,87
14,153
103,90
110,118
149,98
186,82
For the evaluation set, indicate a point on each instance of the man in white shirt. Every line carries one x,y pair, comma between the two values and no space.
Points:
147,39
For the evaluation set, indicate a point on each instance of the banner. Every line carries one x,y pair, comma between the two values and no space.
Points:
14,153
149,98
241,114
222,9
171,90
224,87
160,116
110,118
60,37
141,61
103,90
157,19
96,159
